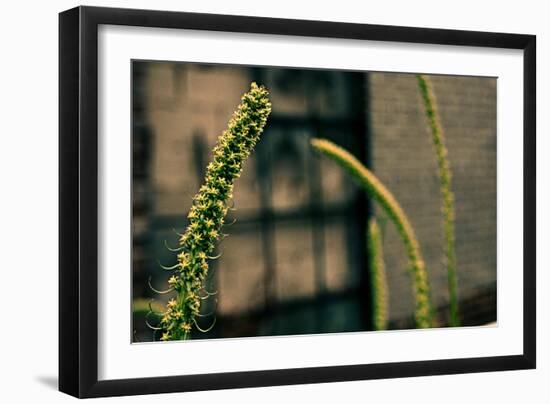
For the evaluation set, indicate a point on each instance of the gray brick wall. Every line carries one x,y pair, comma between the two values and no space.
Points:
403,157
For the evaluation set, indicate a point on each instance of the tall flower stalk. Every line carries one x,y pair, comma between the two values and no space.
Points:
447,196
376,189
378,276
207,215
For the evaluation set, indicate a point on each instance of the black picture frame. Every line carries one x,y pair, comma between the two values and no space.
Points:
78,201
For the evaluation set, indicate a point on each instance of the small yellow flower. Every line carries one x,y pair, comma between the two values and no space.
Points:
199,197
172,303
185,327
172,281
166,318
165,336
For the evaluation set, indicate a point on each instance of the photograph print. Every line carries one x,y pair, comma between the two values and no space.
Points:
275,201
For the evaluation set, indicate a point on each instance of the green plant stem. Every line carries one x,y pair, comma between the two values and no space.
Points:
447,196
374,187
378,276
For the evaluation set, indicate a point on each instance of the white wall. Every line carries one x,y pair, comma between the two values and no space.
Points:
28,169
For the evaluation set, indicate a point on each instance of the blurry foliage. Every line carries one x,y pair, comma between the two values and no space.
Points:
378,276
447,196
376,190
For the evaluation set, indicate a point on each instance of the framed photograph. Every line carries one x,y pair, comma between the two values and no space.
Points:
251,201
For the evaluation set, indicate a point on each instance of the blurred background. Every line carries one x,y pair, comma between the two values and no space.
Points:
295,260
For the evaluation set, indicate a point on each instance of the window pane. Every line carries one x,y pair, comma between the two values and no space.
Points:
295,273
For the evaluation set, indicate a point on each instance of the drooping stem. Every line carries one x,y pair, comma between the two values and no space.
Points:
374,187
208,212
378,276
447,196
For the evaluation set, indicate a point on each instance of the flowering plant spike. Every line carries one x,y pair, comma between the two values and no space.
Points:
207,215
447,196
378,191
378,276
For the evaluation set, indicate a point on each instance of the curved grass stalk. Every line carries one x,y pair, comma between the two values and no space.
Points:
142,306
208,212
374,187
447,196
378,276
